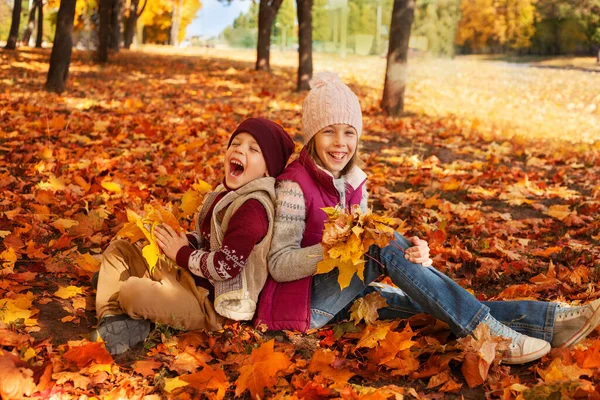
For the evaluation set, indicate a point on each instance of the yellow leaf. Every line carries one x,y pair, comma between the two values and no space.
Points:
190,202
559,211
366,308
202,186
173,383
63,224
112,186
9,255
12,310
374,333
29,354
68,292
151,253
87,262
54,184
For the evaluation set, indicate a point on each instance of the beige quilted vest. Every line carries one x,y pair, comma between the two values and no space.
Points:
237,298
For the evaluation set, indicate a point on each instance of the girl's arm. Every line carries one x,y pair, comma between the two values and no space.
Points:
247,227
288,261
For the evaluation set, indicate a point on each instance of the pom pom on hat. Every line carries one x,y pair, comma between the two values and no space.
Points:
321,79
329,102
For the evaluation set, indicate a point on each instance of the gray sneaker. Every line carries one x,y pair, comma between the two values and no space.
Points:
121,332
523,348
573,324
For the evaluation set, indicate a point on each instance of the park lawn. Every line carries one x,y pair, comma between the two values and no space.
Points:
508,212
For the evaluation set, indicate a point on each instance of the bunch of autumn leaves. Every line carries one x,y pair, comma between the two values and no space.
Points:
347,236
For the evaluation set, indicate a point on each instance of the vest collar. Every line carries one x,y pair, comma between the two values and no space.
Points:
354,178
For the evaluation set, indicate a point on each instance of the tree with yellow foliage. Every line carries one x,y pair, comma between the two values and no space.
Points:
492,24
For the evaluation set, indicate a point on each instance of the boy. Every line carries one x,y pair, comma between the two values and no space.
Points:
226,254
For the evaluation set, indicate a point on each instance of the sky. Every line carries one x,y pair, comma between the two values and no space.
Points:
215,15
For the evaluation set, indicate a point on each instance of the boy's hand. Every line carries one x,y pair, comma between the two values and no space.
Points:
419,253
170,241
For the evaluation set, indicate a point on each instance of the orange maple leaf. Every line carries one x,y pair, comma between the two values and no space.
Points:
88,352
480,353
209,379
375,333
262,371
321,363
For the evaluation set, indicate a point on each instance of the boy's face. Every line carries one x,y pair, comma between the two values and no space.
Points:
335,145
244,161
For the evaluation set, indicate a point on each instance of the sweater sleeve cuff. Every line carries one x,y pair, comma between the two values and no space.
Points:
183,256
192,240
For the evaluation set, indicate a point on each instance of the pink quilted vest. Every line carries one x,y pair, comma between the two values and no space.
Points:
286,305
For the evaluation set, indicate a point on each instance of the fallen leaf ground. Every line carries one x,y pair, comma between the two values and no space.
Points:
508,215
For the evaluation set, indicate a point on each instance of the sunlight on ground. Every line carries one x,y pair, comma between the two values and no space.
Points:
504,98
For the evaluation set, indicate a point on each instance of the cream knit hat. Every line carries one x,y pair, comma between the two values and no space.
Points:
329,102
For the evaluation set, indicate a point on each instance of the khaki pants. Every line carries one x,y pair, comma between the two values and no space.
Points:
169,297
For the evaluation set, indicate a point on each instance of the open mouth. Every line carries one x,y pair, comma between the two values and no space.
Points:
337,156
236,168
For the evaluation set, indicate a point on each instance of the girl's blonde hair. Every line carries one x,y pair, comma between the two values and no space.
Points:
311,148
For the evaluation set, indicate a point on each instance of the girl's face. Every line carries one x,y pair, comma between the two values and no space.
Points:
244,161
335,145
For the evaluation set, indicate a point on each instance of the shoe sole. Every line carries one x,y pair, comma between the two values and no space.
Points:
120,336
584,331
528,357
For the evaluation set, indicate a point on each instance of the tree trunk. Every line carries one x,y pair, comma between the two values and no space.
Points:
30,24
60,58
305,64
104,30
115,25
395,75
598,55
40,24
267,12
175,21
131,24
13,36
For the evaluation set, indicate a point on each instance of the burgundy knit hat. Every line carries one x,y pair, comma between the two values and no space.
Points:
275,143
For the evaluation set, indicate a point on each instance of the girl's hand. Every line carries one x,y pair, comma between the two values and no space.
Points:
170,241
419,253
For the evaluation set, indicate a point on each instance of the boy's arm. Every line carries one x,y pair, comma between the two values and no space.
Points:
288,260
247,227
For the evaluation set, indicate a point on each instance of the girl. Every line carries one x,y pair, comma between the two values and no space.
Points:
326,174
233,234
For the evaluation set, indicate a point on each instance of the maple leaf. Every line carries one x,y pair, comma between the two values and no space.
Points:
172,384
146,367
373,334
557,371
262,371
394,343
68,292
86,353
207,379
321,363
480,352
192,199
365,308
347,236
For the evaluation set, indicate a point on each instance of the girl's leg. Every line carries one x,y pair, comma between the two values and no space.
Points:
531,318
443,298
434,292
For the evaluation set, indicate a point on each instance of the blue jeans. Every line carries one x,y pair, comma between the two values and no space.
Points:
423,290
